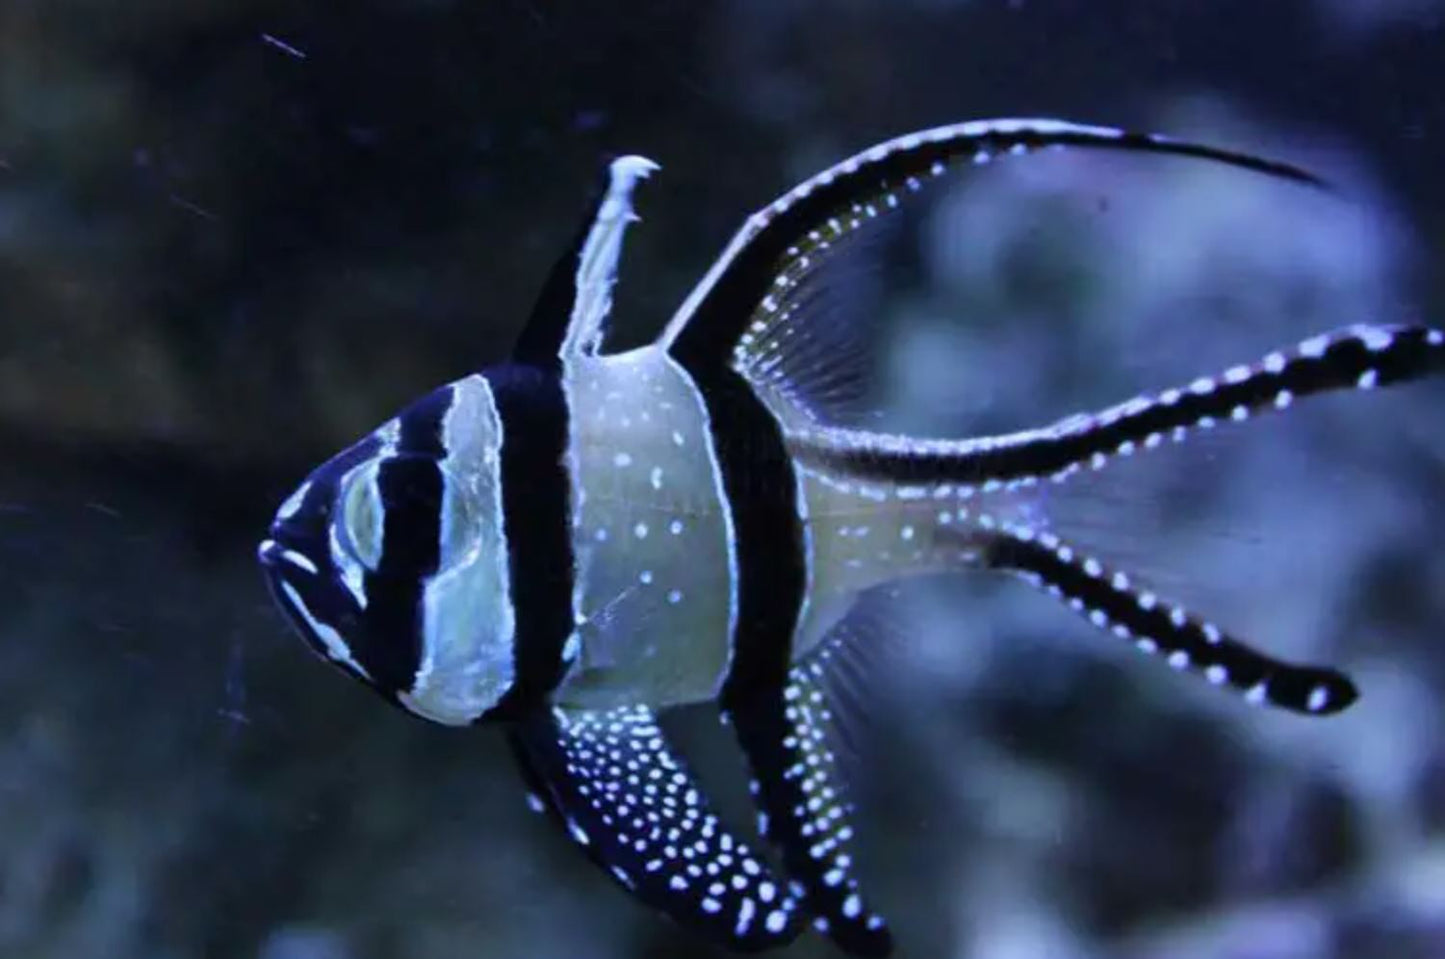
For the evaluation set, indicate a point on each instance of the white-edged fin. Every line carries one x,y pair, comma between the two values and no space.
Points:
756,308
797,743
630,802
570,316
601,251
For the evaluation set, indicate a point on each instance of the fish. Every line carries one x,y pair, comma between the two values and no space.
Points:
572,542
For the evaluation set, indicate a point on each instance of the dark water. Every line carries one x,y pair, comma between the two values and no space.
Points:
234,236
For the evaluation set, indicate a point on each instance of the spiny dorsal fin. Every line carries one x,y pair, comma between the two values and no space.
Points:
612,779
571,313
745,292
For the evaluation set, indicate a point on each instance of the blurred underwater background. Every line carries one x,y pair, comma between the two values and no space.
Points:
235,236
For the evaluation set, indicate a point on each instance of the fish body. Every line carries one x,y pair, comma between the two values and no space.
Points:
576,540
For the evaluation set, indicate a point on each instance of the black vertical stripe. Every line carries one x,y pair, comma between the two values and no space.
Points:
536,517
410,484
761,489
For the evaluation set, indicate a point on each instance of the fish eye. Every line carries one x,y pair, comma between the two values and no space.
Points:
360,515
416,486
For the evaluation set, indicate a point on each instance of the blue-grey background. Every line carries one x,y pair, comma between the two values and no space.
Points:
234,236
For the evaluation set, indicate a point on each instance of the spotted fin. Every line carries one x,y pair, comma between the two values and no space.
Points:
634,807
792,741
1112,601
803,809
757,309
571,313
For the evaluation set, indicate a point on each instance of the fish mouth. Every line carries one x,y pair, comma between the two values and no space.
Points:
273,556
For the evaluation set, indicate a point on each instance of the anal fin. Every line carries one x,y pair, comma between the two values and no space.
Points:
634,807
803,806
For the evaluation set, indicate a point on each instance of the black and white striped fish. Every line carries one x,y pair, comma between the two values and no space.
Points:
576,540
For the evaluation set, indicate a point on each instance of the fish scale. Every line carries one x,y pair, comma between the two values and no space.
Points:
569,543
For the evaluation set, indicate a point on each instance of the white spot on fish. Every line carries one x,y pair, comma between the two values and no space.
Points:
293,502
299,560
578,833
746,911
1375,339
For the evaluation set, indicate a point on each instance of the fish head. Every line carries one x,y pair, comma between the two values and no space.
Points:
391,561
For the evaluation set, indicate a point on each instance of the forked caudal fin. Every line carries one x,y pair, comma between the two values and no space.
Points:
1360,357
